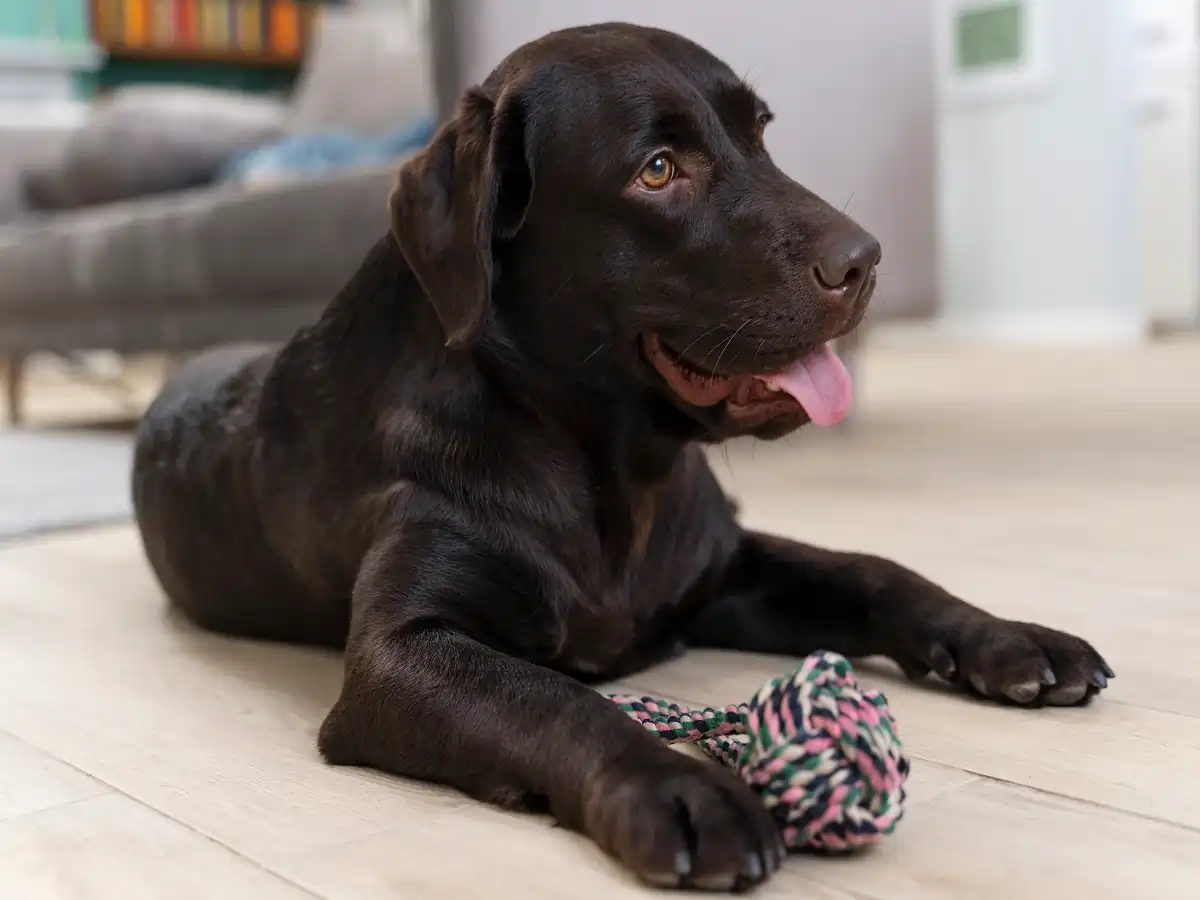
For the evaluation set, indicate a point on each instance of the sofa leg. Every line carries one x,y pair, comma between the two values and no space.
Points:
14,377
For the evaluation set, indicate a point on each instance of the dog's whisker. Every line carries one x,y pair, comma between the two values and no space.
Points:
700,338
758,351
589,357
558,290
725,345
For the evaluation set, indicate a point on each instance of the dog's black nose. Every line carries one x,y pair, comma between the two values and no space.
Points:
846,263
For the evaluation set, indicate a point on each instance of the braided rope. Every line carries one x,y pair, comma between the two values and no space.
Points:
823,754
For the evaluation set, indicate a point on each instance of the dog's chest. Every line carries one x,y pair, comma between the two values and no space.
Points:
643,569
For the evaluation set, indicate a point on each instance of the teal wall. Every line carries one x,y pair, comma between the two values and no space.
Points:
66,20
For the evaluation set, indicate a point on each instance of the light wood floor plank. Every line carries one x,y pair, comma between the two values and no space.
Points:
31,780
991,841
461,855
111,848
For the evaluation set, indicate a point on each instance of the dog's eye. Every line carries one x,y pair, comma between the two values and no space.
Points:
658,173
760,126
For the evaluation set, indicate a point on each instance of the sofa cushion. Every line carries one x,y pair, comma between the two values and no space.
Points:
149,139
316,155
198,249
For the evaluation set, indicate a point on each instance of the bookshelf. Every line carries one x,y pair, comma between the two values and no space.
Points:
241,32
255,45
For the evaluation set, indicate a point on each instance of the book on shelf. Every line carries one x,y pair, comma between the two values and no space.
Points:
187,22
283,31
268,29
135,22
162,24
249,18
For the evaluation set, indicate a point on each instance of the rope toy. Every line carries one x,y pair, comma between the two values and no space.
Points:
823,754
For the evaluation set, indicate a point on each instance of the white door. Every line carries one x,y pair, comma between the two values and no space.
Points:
1167,163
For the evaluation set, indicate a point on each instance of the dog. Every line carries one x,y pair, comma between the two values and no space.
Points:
481,470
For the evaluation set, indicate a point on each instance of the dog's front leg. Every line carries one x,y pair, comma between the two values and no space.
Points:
779,596
423,698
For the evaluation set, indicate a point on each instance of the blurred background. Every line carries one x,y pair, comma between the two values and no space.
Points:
178,173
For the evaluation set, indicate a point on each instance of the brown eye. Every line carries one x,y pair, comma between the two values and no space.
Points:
760,126
659,172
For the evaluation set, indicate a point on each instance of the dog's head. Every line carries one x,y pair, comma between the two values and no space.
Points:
605,203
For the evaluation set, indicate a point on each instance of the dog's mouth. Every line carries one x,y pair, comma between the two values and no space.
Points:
815,382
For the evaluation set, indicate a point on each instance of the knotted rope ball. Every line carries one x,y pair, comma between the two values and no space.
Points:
823,754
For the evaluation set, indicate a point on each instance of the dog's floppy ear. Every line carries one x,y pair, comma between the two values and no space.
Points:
470,186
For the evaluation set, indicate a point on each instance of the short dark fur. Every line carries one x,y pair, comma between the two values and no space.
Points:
468,474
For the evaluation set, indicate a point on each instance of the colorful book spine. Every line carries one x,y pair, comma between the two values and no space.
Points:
101,24
137,24
162,23
284,28
116,12
249,25
231,22
203,22
192,19
220,24
212,24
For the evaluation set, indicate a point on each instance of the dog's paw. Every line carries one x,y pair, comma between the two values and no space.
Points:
686,824
1021,663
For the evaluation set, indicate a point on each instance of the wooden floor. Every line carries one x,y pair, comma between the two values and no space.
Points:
141,759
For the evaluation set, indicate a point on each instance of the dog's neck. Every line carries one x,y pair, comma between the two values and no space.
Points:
379,329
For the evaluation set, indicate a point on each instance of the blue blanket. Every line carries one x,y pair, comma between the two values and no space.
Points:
318,154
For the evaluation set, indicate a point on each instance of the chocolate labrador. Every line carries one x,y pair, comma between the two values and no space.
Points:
481,471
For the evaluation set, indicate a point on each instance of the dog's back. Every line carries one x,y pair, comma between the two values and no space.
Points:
193,499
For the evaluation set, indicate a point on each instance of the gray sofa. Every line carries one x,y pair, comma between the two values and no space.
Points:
176,272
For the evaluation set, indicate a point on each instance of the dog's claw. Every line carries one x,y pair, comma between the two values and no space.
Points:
1022,693
1099,680
1048,677
683,864
1107,669
942,662
752,867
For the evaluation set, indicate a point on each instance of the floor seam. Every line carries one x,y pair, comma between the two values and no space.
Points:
142,803
30,813
1052,793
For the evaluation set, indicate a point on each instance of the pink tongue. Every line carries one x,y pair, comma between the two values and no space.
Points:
820,383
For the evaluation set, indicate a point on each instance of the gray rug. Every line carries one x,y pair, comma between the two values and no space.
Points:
51,480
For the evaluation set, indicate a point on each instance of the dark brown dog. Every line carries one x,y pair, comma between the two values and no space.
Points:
481,473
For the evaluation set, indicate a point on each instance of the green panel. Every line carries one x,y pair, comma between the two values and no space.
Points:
258,79
989,36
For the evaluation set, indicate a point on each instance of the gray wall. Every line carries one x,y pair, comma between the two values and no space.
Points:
851,82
